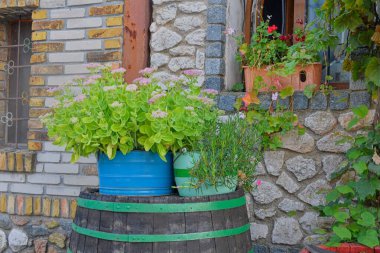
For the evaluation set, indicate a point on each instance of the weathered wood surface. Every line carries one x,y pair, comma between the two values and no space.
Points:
161,223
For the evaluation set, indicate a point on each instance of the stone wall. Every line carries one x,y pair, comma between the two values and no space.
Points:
295,178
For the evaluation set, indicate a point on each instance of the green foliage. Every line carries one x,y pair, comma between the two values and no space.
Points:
238,87
355,204
110,115
229,151
309,90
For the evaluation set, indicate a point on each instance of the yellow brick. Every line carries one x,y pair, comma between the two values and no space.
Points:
21,3
36,102
34,146
105,33
73,208
12,3
28,205
3,4
38,36
48,25
36,80
55,212
114,21
29,164
37,206
46,207
39,14
2,65
38,58
11,204
106,10
112,44
3,203
19,162
11,161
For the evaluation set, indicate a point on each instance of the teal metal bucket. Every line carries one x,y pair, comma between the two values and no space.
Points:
183,164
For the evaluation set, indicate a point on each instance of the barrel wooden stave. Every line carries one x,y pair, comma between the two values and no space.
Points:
161,223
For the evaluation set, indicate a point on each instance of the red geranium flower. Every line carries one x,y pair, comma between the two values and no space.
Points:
283,38
299,21
272,28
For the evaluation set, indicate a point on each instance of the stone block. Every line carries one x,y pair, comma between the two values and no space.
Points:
266,193
26,188
61,79
215,50
314,193
358,98
339,100
165,14
300,101
274,160
48,25
192,7
84,23
258,231
216,15
39,178
181,63
48,157
106,10
81,180
216,83
83,45
68,13
61,168
215,33
62,190
265,100
3,188
336,142
302,168
83,2
298,143
214,66
39,14
321,122
287,231
114,21
318,102
215,2
164,39
227,102
188,23
287,183
104,33
65,57
67,35
196,38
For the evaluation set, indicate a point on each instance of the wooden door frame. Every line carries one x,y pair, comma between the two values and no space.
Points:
137,19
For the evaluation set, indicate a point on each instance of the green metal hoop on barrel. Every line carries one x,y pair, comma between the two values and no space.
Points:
161,208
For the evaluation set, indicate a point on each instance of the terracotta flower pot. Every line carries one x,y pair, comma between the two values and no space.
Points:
303,76
347,248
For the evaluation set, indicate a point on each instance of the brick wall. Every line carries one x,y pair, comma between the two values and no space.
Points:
67,35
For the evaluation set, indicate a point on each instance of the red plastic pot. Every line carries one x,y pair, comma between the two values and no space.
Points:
347,248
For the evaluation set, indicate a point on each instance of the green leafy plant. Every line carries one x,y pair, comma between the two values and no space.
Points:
109,115
355,204
229,152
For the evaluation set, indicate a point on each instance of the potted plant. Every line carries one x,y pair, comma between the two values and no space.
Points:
134,128
279,61
225,157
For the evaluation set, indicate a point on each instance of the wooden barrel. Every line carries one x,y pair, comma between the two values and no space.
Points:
116,224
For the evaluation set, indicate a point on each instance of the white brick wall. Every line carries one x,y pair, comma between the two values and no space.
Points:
61,168
62,190
27,188
54,174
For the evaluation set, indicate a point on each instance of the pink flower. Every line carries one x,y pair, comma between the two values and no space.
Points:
79,98
95,77
159,114
119,70
142,81
229,31
193,72
131,87
274,96
258,182
156,97
93,65
54,89
147,71
108,88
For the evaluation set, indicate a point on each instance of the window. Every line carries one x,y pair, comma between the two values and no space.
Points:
15,52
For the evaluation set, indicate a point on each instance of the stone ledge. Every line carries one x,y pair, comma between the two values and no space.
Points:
338,100
14,160
38,206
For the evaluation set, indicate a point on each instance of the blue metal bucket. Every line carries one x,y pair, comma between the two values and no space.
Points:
137,173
